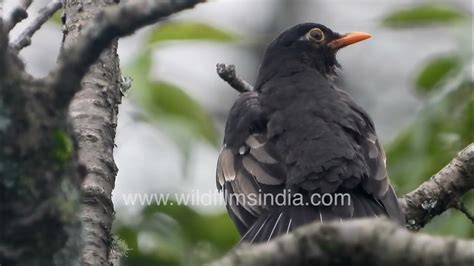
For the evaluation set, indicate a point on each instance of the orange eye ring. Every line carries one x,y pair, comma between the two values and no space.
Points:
316,35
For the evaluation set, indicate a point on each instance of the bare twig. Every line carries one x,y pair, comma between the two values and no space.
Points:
44,14
460,206
108,25
354,242
18,14
228,74
442,191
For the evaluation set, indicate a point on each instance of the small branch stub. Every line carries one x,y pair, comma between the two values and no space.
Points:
229,75
460,206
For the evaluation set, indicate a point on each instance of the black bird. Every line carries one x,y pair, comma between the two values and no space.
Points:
297,133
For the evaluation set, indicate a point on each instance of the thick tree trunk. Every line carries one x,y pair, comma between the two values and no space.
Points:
39,174
93,113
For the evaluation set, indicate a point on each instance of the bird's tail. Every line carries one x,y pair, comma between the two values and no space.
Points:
284,219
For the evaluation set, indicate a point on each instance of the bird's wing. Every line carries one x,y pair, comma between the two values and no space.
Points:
328,144
377,182
247,164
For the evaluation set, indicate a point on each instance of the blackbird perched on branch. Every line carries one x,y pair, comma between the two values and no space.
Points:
297,134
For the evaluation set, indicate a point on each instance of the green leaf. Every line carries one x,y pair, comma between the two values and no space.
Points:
423,14
178,111
435,71
170,31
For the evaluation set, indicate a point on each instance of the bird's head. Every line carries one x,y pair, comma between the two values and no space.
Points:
310,44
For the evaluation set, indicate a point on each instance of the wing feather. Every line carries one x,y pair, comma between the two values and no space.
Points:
247,163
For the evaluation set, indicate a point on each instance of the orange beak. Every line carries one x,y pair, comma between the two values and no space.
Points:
348,39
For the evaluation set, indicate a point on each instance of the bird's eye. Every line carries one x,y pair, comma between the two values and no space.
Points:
315,35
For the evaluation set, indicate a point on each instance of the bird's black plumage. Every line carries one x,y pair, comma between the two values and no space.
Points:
298,132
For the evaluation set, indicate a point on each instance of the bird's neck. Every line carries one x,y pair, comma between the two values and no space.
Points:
280,65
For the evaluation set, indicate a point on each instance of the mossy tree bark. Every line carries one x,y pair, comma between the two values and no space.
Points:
57,133
39,172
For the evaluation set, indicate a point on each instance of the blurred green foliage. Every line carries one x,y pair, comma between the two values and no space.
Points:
436,71
174,234
176,30
445,123
424,14
179,235
180,116
168,104
441,129
56,18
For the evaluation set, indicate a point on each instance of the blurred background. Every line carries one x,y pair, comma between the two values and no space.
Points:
414,77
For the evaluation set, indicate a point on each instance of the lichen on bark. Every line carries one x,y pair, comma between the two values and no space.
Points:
39,178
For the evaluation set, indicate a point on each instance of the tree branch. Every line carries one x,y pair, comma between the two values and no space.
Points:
228,74
460,206
40,176
108,25
443,191
24,39
354,242
18,14
89,73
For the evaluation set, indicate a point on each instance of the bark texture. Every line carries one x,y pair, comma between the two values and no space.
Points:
355,242
229,75
39,173
443,191
93,112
